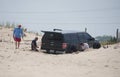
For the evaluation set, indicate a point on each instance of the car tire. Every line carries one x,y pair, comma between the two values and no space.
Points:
71,49
96,45
47,51
54,51
68,49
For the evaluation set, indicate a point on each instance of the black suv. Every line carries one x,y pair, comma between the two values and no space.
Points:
67,41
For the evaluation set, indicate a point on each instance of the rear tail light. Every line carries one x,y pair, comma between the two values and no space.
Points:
64,45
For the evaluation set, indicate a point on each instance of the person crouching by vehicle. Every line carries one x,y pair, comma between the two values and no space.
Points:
84,46
34,44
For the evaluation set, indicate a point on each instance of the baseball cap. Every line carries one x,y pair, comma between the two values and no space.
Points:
19,25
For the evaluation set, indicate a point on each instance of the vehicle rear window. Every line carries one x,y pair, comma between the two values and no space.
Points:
53,36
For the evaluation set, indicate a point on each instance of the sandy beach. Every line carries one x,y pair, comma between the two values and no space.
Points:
25,63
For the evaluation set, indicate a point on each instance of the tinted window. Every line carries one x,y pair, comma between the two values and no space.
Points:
67,38
81,37
84,37
71,38
74,38
53,36
87,36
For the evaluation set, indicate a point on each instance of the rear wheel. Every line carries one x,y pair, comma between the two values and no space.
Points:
71,49
54,51
74,49
48,51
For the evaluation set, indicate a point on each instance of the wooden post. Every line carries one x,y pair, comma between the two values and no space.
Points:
117,31
85,29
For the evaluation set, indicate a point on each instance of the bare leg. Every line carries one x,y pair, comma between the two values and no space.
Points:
18,44
15,44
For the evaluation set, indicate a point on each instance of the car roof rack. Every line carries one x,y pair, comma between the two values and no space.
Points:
57,29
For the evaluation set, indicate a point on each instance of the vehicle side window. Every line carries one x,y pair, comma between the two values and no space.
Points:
71,38
81,37
67,38
87,36
74,38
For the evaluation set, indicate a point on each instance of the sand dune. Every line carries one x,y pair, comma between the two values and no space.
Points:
25,63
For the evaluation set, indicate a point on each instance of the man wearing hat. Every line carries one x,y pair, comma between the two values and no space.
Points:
17,34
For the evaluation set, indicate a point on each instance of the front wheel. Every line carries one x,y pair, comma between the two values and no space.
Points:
96,45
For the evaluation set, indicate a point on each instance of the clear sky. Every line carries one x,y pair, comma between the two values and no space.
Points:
100,17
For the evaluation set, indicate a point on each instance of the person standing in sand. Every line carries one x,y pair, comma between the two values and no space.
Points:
17,34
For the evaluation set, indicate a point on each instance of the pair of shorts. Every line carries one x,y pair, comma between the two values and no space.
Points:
17,39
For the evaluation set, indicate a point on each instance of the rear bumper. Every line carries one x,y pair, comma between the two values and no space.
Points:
55,49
